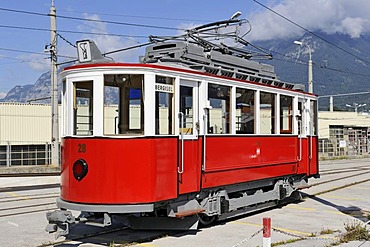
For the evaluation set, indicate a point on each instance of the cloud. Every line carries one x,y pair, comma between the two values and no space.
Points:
329,16
2,95
36,62
107,43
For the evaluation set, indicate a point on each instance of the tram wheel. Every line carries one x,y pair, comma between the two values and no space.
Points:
206,220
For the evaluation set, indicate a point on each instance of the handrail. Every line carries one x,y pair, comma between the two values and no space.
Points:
204,142
180,169
311,139
300,140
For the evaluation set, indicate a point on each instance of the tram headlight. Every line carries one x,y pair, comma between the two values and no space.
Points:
80,169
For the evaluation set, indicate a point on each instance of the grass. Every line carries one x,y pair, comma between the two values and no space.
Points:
289,241
326,231
354,231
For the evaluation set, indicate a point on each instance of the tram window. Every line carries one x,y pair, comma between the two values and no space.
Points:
300,118
186,108
286,114
313,117
245,111
123,104
83,108
267,113
219,115
164,90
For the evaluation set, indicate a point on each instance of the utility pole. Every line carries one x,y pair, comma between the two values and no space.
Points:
310,74
54,87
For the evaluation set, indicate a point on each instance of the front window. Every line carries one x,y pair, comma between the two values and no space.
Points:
83,108
219,115
123,104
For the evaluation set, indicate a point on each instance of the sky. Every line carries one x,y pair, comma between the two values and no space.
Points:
24,26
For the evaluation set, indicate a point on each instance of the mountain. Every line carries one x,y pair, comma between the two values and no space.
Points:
38,93
341,66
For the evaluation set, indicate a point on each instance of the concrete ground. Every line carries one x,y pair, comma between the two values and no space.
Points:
310,219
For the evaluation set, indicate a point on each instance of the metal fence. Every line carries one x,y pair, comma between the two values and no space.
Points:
345,141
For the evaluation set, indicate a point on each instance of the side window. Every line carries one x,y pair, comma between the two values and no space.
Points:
83,108
123,104
286,114
245,111
313,117
219,115
187,110
300,118
267,113
164,89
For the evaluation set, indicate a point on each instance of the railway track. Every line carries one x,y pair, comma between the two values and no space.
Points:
27,206
28,174
40,206
28,197
168,233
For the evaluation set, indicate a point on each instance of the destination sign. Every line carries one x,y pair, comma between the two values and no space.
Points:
165,88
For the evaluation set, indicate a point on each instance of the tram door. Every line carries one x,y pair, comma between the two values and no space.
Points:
189,165
302,119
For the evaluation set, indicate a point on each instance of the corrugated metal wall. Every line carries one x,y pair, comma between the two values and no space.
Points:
25,123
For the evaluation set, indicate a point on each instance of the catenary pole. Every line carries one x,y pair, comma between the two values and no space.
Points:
54,87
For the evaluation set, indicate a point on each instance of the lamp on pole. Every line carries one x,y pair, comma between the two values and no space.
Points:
310,74
356,106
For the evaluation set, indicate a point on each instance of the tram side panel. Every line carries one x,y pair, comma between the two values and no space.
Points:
314,161
189,178
241,159
308,160
120,171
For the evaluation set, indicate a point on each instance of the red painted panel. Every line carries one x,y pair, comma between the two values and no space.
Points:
314,162
303,158
240,152
212,179
143,170
121,171
239,159
189,180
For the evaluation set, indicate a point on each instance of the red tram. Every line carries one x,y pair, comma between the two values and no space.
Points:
189,134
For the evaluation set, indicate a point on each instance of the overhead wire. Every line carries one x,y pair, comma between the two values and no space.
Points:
152,26
289,59
136,16
91,20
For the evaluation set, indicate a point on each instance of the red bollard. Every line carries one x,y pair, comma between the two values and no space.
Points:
266,232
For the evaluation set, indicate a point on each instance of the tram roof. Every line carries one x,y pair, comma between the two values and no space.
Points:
167,67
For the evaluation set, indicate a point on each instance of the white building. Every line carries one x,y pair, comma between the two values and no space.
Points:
25,127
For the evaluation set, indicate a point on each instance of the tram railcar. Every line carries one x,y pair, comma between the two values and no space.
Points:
188,135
